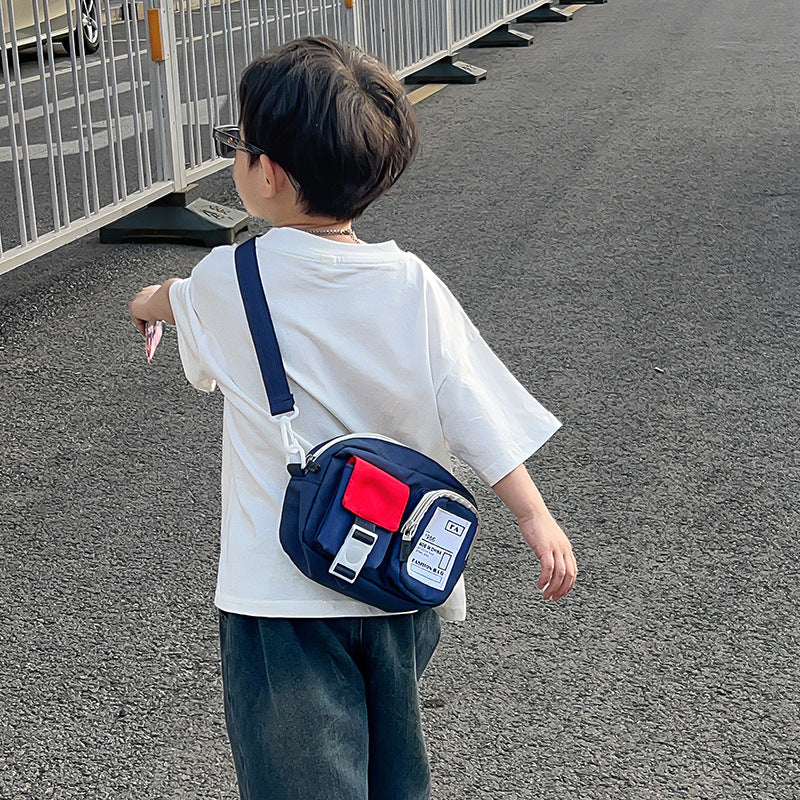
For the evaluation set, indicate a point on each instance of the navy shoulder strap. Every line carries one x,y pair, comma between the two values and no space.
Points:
262,330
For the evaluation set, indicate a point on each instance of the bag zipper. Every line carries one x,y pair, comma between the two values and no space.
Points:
410,526
421,509
311,460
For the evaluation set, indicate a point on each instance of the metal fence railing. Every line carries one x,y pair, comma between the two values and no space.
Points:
215,41
92,134
77,130
405,34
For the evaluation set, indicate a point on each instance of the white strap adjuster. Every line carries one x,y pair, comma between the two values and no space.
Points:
291,444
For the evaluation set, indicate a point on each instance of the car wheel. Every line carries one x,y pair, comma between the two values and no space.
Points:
88,29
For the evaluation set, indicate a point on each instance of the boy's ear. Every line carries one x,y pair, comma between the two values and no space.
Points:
269,184
274,175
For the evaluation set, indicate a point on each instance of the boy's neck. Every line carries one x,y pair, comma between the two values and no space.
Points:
312,227
333,229
286,211
307,222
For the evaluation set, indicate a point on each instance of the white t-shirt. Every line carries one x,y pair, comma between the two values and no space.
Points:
372,341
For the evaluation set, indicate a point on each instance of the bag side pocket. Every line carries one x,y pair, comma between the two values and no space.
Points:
435,546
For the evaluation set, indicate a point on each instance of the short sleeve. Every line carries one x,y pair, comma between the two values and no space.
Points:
193,342
489,419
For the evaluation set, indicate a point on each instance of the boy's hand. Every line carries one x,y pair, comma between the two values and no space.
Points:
554,552
540,531
152,305
140,313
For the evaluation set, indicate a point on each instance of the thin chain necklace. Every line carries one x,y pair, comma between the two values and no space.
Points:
343,232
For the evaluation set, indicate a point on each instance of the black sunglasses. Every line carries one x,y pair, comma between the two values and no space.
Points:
227,141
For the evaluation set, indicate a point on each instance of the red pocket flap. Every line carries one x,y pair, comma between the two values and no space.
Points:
375,496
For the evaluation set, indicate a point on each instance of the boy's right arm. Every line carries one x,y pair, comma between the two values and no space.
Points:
542,533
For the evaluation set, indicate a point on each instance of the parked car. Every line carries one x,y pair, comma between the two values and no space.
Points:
62,23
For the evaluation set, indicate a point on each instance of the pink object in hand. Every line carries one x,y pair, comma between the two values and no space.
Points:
152,336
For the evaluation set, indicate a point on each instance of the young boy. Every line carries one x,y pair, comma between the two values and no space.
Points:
320,690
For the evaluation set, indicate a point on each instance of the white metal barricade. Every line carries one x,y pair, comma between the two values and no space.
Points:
92,136
473,19
216,40
406,34
77,129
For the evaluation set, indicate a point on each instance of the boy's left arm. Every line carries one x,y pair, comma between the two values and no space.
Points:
152,304
540,531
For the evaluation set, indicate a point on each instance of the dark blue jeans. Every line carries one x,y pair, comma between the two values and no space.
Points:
327,709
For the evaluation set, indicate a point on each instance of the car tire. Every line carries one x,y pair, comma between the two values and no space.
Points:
88,29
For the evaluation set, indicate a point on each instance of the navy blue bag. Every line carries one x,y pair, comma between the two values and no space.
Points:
362,514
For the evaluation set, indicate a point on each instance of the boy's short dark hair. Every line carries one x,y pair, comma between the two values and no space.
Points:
333,117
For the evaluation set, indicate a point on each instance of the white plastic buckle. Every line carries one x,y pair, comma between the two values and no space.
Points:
353,553
291,445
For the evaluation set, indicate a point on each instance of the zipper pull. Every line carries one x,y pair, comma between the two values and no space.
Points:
405,550
300,470
311,465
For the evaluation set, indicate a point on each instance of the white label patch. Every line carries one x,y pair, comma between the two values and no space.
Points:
434,554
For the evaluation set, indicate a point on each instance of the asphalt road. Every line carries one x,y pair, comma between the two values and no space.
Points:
617,206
